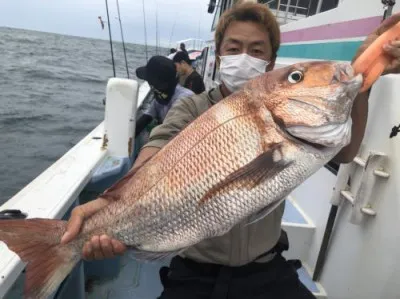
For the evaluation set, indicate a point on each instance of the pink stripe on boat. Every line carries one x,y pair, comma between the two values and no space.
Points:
348,29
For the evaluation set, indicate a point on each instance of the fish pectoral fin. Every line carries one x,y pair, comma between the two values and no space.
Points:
264,212
142,255
251,175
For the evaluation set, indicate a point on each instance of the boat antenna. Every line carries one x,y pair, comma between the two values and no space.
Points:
145,32
157,41
173,28
198,28
109,32
123,41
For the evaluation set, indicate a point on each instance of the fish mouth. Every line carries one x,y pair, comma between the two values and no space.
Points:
331,134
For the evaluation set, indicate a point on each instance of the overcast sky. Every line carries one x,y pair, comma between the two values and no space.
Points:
80,18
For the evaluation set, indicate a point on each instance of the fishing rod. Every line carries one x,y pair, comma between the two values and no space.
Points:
157,41
145,32
109,32
173,28
122,37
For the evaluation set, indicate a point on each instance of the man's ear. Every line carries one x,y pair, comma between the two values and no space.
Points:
217,60
271,65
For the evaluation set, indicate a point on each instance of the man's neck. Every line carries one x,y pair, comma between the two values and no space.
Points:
188,71
224,91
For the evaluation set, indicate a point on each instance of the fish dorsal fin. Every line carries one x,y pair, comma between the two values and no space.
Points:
249,176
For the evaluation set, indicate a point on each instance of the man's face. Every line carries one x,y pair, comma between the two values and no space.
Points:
247,37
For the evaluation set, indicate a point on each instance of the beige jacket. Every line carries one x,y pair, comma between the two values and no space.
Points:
244,243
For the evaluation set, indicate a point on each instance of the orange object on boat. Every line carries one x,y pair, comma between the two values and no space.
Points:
372,62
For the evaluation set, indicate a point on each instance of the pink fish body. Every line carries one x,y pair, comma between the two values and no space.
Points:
242,157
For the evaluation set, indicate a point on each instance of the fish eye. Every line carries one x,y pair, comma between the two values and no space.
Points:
295,77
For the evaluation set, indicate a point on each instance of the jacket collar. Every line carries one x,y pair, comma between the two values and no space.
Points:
215,95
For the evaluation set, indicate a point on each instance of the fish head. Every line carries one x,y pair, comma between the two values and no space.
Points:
312,101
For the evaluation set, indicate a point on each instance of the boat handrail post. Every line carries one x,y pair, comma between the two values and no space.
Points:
319,6
287,10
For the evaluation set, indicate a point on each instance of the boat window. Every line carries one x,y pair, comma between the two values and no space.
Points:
289,10
221,7
326,5
299,8
216,18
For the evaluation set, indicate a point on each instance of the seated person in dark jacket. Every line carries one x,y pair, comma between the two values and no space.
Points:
160,73
189,78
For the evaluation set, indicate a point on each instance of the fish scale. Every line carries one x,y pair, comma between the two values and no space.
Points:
198,170
186,171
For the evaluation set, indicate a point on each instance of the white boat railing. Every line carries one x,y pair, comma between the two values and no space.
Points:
52,193
192,44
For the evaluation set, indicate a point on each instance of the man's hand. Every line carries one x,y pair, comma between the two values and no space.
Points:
360,108
391,49
99,247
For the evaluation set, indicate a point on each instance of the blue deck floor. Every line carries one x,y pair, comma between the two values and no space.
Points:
306,279
292,215
135,281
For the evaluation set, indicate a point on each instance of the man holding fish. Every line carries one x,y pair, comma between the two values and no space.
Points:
209,186
247,40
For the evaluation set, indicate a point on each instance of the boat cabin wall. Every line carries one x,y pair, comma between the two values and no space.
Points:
332,35
362,260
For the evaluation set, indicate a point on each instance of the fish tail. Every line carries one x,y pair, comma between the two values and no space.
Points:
37,243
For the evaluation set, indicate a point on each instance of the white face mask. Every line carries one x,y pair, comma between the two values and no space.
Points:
236,70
